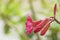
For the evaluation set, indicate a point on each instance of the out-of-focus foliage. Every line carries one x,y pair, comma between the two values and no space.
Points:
13,13
6,28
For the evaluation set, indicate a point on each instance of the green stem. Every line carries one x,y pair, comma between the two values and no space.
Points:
57,21
32,9
33,16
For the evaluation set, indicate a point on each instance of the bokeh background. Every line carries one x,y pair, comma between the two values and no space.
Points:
13,15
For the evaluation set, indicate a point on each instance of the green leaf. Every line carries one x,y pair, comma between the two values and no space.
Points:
11,7
6,29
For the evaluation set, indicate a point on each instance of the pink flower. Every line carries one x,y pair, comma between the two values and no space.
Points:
35,26
39,26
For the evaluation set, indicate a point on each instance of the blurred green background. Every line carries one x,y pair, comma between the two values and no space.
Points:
13,15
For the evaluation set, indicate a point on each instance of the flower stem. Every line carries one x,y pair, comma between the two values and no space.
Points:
33,16
57,21
32,9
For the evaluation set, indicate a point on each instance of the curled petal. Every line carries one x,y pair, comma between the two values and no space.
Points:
36,23
41,25
44,29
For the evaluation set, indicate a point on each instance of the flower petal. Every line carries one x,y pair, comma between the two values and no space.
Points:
29,25
41,25
45,28
36,23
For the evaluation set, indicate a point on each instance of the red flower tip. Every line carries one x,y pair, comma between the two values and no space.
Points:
55,7
29,18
